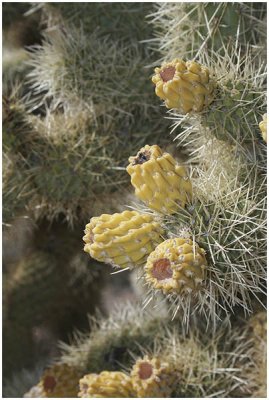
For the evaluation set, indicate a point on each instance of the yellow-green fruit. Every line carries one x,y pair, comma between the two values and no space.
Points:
106,384
152,377
60,380
176,266
263,127
158,180
124,239
185,86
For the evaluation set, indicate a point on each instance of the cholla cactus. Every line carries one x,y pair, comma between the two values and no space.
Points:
263,127
17,134
199,240
176,266
43,288
164,361
256,329
91,116
183,28
216,206
186,86
153,377
123,240
115,341
238,103
30,294
106,384
123,21
158,180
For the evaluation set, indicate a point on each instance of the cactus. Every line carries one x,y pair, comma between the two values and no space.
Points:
87,119
17,134
196,237
122,240
184,28
238,102
172,364
158,180
30,303
212,210
106,384
119,20
50,281
113,341
256,328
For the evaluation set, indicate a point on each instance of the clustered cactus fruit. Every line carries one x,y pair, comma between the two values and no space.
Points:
159,181
149,377
123,240
185,267
186,86
173,365
196,233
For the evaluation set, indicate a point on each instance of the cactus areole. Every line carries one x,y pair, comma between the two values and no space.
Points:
145,370
162,269
167,74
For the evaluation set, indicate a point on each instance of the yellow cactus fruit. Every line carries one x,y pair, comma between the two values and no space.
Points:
60,380
263,127
124,239
152,377
176,266
158,180
185,86
106,384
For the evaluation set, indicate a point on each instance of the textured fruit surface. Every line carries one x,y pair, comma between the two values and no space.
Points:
152,377
106,384
60,380
176,265
185,86
158,180
263,127
122,239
